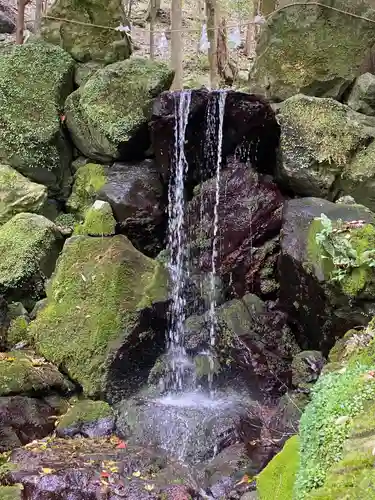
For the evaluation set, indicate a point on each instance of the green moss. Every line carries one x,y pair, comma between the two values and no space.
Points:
21,374
327,421
93,110
94,297
31,139
98,221
83,412
66,221
11,492
28,246
88,181
276,481
17,331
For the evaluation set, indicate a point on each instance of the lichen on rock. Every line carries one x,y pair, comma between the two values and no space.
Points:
31,136
96,300
105,115
98,221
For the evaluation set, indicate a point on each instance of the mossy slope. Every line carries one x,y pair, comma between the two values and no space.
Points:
31,136
105,113
99,287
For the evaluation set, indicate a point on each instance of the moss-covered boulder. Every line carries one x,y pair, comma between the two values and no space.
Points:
107,117
35,79
22,372
98,221
18,194
295,53
319,139
11,492
362,95
29,246
87,418
306,368
276,481
83,41
106,314
337,431
327,281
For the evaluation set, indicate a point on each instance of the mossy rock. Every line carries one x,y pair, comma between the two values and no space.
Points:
362,95
295,55
19,194
83,42
107,117
29,245
35,79
11,492
319,138
106,302
88,180
99,221
306,367
17,331
86,418
276,481
21,372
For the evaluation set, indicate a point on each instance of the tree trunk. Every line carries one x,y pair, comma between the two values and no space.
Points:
21,4
268,6
152,4
152,28
38,16
176,43
226,68
212,24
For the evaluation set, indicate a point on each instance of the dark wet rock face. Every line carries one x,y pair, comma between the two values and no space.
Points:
250,129
23,419
137,197
250,211
4,321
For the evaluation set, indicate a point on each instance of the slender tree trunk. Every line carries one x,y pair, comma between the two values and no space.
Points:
152,4
226,68
251,33
38,15
176,43
21,4
152,28
212,24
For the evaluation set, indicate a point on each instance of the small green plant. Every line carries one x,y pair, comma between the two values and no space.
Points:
336,242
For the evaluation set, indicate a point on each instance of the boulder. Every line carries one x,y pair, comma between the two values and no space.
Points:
11,492
294,55
319,141
85,42
106,305
323,299
29,245
99,221
22,372
250,131
362,95
32,137
249,220
89,419
136,194
23,419
7,17
306,368
19,194
107,117
84,468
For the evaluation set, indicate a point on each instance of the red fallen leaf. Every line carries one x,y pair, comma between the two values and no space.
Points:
372,373
121,445
104,474
62,118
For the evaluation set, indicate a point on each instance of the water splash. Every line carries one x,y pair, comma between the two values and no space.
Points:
177,248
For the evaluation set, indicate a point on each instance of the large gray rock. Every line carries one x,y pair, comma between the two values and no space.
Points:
321,141
295,53
82,41
107,117
362,95
323,308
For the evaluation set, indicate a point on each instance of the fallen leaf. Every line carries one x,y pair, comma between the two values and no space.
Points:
149,487
104,474
47,470
136,474
122,445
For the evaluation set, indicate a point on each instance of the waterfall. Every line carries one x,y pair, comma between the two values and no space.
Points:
181,374
177,247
